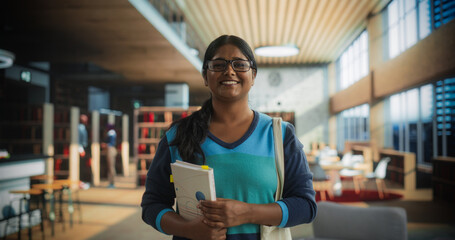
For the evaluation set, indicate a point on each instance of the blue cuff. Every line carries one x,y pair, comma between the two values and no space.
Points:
158,219
285,211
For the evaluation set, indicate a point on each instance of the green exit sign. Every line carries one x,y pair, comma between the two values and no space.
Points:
26,76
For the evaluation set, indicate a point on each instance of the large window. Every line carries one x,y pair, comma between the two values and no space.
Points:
445,118
353,125
353,62
409,21
422,121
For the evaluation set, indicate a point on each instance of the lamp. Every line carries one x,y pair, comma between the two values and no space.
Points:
277,51
6,59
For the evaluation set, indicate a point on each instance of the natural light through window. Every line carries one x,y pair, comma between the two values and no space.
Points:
408,21
353,63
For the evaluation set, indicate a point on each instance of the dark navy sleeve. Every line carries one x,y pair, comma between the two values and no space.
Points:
159,192
298,193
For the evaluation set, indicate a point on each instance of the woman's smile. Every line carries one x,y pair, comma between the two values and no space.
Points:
229,82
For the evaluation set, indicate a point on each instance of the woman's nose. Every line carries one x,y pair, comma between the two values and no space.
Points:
229,69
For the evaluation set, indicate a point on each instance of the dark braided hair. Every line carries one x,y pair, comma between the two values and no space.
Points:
192,130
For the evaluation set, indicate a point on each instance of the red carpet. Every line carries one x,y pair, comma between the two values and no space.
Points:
364,196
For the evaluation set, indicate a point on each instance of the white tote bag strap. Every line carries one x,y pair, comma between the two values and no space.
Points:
274,232
279,156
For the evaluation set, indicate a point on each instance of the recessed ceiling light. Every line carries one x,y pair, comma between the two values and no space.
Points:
277,51
6,58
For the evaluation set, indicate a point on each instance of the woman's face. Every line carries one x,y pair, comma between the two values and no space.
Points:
230,85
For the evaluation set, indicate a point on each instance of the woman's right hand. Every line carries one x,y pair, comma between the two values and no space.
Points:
200,231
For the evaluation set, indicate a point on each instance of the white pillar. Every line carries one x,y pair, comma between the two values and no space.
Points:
74,145
125,146
95,148
48,137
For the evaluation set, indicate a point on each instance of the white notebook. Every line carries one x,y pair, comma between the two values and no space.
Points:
192,183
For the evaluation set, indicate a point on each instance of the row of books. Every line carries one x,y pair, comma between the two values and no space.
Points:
62,117
62,134
395,177
21,113
161,116
62,149
152,132
21,132
395,161
146,148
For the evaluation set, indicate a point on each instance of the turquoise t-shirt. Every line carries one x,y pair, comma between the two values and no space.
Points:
244,170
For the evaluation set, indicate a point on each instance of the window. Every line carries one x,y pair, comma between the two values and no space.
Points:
445,118
443,11
353,125
410,113
353,62
408,21
423,121
411,20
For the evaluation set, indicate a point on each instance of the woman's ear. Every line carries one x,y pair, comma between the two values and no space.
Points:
254,77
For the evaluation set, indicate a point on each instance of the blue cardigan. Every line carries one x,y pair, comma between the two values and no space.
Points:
244,170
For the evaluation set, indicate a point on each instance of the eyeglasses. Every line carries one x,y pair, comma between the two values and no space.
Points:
220,65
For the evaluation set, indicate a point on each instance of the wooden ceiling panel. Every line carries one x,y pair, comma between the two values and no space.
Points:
317,27
113,34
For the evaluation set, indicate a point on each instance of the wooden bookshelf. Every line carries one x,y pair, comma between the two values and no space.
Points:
150,125
443,178
22,128
401,168
62,140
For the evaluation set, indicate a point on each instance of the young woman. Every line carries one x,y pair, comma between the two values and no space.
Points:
237,142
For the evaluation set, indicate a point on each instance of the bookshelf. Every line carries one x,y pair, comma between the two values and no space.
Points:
21,128
401,168
443,179
150,125
62,138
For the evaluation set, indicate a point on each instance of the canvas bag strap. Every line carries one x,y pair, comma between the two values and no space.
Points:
279,156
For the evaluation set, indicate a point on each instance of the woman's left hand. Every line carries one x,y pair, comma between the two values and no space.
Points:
224,213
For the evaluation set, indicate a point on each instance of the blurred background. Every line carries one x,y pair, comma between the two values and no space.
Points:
362,81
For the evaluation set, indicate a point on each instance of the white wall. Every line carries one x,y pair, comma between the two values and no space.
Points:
303,90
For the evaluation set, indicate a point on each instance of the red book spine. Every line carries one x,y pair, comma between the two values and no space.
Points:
151,117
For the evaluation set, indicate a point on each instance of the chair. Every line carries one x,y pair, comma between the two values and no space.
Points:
51,189
71,187
68,187
337,221
25,208
321,181
378,175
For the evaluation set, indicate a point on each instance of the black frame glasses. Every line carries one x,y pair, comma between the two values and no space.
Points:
220,65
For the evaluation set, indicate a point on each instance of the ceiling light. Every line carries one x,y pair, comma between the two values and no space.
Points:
6,59
277,51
